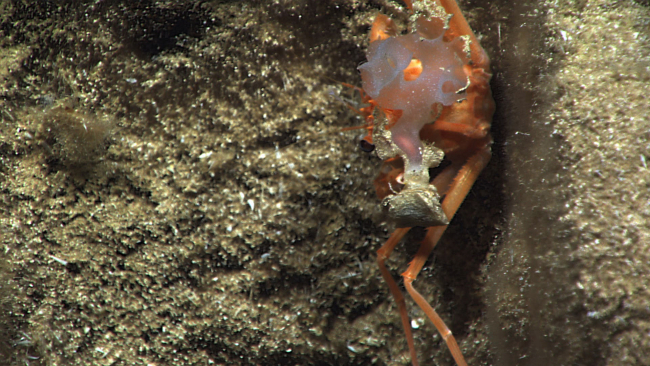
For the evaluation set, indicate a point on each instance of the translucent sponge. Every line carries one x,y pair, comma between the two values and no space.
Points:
415,74
442,76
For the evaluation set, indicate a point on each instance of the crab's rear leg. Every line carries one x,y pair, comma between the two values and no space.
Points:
459,27
442,183
457,192
382,255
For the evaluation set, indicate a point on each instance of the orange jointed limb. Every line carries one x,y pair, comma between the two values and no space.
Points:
421,256
382,254
443,180
458,191
467,130
459,24
383,27
437,321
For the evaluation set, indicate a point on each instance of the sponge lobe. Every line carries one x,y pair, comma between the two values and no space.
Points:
442,81
442,73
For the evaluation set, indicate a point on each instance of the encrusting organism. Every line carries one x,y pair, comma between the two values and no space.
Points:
429,99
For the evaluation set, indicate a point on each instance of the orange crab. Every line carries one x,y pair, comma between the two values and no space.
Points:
429,98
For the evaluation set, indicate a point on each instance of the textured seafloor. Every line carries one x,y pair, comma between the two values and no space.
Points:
175,189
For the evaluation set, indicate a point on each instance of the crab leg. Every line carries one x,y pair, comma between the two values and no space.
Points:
458,191
382,254
442,182
459,24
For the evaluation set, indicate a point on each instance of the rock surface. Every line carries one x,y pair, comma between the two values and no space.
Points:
176,189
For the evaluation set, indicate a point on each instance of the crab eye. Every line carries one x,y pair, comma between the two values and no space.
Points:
366,146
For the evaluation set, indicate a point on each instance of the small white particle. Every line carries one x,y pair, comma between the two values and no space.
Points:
414,324
352,348
65,263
